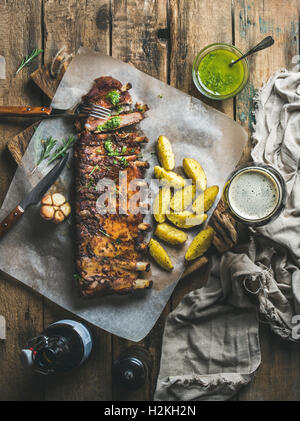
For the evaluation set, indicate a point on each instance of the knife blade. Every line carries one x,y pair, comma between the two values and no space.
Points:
33,197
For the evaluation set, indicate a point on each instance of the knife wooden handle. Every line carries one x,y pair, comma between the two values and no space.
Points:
26,111
10,220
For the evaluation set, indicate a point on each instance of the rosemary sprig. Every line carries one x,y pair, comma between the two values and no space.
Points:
48,145
28,59
61,151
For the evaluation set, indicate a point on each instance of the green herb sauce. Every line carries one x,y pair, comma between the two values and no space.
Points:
113,97
215,74
113,123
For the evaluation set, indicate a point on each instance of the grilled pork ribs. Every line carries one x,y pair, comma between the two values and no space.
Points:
110,246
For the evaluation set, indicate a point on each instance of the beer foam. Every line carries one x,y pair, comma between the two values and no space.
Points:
254,194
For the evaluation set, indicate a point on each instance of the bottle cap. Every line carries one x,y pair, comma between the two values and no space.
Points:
26,357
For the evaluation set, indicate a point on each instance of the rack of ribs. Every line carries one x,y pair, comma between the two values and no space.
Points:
110,246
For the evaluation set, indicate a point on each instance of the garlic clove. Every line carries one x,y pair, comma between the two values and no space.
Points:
66,209
58,199
47,212
58,217
47,200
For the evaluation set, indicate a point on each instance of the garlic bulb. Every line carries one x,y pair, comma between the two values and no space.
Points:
54,207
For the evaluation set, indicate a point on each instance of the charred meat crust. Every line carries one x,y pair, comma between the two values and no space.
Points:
101,88
125,119
109,247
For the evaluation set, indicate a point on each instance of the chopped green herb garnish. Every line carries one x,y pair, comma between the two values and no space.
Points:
160,96
124,149
119,108
132,150
90,183
112,123
109,148
115,161
108,145
113,97
124,161
96,167
104,232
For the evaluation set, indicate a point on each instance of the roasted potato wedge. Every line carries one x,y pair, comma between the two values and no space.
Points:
165,153
193,170
161,204
205,200
170,234
169,177
160,255
186,219
183,198
200,244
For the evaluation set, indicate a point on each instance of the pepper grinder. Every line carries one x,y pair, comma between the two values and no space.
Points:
131,370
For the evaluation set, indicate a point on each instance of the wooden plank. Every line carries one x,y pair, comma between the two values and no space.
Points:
277,378
72,24
20,33
18,144
193,25
254,20
47,82
189,35
134,39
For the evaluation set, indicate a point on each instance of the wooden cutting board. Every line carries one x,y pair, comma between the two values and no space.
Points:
226,228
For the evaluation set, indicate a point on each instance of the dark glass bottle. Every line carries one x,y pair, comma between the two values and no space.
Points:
132,368
63,346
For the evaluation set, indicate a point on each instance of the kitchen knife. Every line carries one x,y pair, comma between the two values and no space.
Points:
33,197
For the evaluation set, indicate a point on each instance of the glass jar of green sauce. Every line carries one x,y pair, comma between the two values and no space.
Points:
212,74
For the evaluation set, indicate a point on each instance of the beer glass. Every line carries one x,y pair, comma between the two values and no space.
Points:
255,194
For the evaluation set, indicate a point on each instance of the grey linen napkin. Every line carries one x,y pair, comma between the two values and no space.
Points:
211,343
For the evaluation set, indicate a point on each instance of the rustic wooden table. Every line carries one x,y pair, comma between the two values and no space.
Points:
161,38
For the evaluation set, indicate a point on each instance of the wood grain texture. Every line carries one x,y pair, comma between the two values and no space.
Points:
193,25
71,23
277,378
160,38
44,79
20,33
18,144
135,40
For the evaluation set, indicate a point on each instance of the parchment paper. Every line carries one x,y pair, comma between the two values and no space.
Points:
41,255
